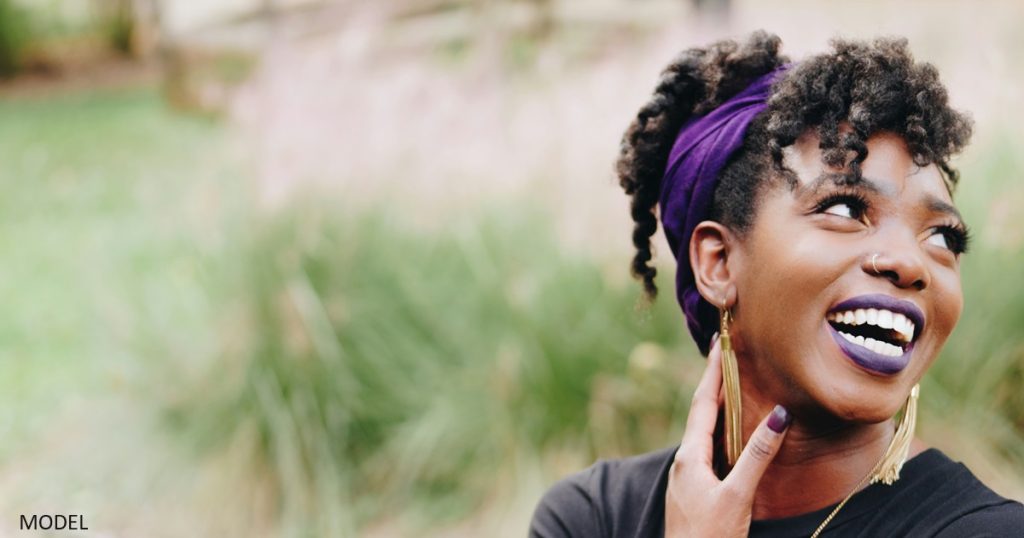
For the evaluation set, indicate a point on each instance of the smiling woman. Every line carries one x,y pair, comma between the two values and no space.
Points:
809,208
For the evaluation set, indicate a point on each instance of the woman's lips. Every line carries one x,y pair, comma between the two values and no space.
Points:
877,332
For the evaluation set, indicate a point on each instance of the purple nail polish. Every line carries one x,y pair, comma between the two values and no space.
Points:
779,419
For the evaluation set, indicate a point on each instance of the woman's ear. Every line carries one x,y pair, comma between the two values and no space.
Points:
710,246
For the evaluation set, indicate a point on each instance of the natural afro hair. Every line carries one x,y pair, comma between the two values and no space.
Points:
864,87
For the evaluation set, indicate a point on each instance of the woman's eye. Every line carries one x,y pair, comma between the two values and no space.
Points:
938,239
844,205
841,209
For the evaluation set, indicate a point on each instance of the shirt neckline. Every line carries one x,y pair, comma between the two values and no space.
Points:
865,501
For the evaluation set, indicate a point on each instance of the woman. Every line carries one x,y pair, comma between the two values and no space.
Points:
809,208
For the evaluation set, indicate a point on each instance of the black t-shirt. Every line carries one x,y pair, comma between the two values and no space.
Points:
935,496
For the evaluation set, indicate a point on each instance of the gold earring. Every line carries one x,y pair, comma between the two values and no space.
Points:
888,469
731,381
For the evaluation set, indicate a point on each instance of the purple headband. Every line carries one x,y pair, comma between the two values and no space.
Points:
701,149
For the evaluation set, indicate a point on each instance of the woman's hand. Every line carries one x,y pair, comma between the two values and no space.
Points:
697,503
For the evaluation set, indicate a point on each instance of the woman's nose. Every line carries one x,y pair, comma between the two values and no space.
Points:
901,264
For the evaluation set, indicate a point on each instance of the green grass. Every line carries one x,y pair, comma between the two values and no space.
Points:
92,236
390,367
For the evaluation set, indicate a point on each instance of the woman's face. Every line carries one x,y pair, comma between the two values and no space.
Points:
818,327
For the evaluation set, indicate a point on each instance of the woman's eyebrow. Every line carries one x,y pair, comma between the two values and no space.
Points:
937,205
840,179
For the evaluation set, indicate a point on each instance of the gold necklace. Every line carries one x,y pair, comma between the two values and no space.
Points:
842,504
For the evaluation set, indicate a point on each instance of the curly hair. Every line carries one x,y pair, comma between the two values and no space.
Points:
869,87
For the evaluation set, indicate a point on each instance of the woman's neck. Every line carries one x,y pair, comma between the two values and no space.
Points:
815,469
818,464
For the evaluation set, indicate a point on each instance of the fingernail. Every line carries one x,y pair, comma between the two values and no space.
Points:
779,420
714,338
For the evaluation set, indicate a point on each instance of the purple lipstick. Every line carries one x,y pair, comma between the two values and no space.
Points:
877,332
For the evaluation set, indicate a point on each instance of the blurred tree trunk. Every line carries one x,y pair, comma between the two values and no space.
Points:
117,22
146,36
131,27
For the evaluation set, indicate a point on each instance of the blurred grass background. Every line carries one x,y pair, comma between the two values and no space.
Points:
365,272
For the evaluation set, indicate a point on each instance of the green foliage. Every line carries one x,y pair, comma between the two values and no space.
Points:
13,36
386,364
980,371
96,253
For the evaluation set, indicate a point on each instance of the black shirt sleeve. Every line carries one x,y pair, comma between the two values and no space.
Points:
612,498
567,510
1005,519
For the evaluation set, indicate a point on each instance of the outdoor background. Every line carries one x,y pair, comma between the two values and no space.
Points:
359,268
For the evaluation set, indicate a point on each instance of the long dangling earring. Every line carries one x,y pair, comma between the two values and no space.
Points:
731,381
888,469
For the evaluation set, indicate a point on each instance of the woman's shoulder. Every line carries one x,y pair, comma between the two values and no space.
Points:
609,498
959,504
1002,519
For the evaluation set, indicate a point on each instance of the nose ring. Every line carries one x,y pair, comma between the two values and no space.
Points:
873,266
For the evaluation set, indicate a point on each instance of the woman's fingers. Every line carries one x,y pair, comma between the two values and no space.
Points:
700,423
760,450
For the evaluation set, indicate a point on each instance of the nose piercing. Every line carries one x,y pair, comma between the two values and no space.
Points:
873,266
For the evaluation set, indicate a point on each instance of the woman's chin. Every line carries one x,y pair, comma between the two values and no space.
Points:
862,410
853,397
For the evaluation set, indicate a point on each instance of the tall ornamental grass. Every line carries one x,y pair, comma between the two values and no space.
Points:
385,366
974,388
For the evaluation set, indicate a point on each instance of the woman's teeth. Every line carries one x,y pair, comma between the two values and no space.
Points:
878,317
900,329
874,345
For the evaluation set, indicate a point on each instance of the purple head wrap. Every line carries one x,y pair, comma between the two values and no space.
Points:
701,149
